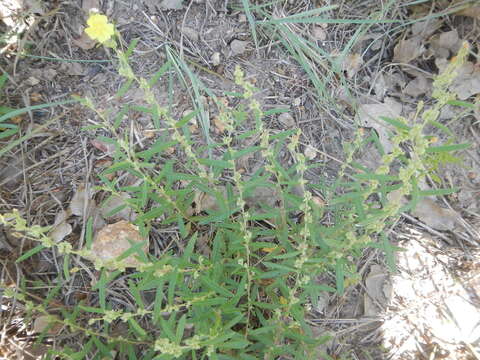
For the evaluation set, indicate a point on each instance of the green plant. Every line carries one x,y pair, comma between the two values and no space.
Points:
268,236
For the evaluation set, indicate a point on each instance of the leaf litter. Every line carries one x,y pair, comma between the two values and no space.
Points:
368,115
415,87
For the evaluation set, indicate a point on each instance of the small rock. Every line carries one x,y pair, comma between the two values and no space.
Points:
242,18
319,34
113,240
287,120
215,59
238,47
310,152
32,81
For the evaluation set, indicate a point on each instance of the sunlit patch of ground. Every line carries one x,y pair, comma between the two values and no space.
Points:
435,309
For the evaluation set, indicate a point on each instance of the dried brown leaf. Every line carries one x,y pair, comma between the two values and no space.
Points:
445,44
43,322
60,231
471,11
80,200
73,69
238,47
418,86
103,146
219,125
287,120
84,42
408,50
428,211
263,195
377,292
207,202
114,202
368,115
467,82
352,64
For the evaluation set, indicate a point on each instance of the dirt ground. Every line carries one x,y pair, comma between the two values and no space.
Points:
380,317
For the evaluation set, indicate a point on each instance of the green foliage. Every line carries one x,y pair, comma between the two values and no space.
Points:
247,296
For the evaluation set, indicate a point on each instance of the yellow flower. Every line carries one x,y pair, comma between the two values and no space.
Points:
99,28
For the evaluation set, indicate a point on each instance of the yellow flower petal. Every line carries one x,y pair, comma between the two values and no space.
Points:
96,19
99,28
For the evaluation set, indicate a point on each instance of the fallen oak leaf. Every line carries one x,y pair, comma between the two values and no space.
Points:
470,11
408,50
113,203
81,200
84,42
368,115
429,212
418,86
103,146
378,291
50,323
352,64
60,231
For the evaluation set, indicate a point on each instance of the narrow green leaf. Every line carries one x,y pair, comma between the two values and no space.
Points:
124,88
448,148
397,123
438,192
3,80
66,266
131,47
34,107
215,287
189,249
30,253
137,328
163,69
219,164
8,133
180,328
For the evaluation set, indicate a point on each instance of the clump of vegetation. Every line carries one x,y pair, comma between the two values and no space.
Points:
269,234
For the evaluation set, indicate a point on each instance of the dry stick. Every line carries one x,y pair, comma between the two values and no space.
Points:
428,228
181,30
